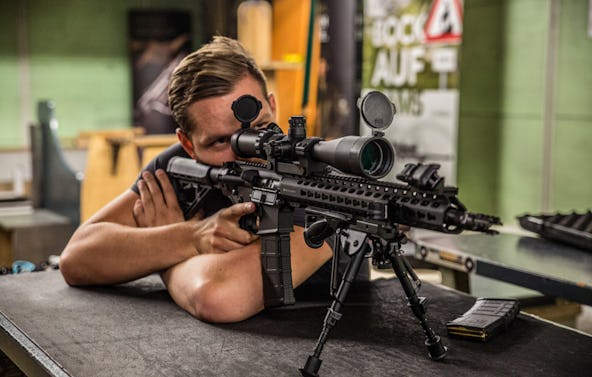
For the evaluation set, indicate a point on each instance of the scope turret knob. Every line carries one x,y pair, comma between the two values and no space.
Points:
297,129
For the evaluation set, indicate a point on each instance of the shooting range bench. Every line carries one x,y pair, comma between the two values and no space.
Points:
50,329
32,236
553,279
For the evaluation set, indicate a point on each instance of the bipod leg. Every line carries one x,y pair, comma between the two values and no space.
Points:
436,349
313,363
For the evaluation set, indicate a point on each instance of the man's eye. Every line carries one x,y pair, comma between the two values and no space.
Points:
222,140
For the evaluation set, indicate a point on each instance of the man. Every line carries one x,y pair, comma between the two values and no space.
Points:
210,266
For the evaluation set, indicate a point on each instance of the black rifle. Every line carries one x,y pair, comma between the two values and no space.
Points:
336,183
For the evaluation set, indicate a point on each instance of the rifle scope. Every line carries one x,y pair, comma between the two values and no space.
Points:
370,156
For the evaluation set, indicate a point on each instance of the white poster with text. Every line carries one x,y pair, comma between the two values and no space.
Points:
411,53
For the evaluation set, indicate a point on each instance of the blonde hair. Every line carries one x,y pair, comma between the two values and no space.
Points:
211,71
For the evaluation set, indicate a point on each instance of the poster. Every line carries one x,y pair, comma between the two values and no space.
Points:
159,40
411,53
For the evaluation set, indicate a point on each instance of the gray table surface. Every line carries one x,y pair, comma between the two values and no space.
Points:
37,218
545,266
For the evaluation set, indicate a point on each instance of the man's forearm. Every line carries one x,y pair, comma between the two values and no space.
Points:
108,253
228,287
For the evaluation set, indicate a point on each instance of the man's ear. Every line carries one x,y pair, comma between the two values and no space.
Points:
272,104
185,142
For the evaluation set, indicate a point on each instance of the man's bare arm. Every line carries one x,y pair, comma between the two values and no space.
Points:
127,240
110,248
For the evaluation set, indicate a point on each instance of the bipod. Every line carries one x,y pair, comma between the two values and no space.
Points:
354,243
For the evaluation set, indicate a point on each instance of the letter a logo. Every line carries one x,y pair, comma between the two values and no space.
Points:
444,24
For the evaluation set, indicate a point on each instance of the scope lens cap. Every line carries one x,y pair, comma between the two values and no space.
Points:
377,110
246,109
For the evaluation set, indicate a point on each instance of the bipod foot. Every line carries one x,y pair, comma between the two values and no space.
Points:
312,366
436,350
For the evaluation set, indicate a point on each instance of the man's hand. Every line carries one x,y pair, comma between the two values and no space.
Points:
157,205
218,233
221,232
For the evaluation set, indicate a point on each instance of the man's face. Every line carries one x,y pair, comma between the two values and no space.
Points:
214,122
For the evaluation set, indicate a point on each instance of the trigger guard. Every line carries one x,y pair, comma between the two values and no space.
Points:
249,223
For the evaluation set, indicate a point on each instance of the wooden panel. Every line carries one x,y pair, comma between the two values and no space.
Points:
5,248
254,29
113,164
290,32
151,146
105,177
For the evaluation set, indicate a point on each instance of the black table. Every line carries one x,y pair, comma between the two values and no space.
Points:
135,329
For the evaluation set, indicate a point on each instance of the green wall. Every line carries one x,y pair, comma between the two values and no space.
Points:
479,113
524,82
10,132
522,106
77,56
572,145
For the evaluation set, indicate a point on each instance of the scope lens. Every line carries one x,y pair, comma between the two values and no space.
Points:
376,158
371,158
